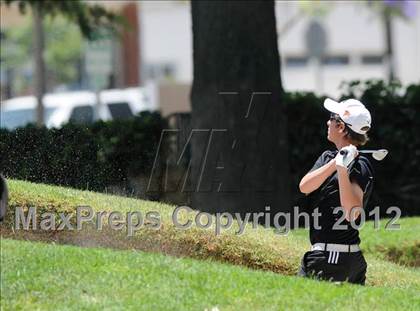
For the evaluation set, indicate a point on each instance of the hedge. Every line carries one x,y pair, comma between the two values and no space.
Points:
107,153
85,157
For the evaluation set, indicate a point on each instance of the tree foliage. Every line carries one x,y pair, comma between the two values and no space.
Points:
89,18
63,49
405,9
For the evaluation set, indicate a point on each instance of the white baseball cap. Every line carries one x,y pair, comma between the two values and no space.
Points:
352,112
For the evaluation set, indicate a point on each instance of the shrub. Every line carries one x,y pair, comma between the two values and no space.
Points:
85,157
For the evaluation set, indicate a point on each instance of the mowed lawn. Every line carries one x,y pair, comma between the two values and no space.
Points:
37,276
253,271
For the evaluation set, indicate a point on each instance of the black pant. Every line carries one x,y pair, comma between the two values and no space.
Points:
336,267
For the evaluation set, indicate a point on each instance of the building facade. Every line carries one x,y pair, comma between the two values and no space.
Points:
353,38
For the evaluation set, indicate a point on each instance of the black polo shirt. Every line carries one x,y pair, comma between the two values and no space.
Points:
327,197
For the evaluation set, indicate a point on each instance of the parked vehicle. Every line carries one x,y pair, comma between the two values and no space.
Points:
58,109
78,107
123,103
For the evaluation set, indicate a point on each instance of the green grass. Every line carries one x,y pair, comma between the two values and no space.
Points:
37,276
95,278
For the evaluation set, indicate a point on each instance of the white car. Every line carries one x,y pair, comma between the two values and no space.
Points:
77,107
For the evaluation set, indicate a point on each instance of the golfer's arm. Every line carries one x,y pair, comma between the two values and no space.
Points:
311,181
351,195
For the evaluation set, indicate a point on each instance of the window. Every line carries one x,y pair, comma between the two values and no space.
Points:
160,71
372,59
82,114
335,60
296,61
120,110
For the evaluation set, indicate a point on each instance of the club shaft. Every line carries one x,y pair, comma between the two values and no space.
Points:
368,151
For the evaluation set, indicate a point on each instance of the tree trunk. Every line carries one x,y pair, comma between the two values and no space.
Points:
39,77
389,54
239,150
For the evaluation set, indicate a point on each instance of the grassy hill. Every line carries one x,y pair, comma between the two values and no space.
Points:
50,277
98,278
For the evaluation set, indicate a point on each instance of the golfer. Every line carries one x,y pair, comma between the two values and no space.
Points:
339,185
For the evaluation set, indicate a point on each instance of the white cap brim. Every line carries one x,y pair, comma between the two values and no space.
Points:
332,106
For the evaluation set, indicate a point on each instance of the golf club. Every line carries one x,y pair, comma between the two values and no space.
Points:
378,155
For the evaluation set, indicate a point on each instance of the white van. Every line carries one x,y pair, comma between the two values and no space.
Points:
123,103
78,107
60,108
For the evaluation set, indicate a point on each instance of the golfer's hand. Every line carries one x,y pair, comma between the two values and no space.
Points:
345,156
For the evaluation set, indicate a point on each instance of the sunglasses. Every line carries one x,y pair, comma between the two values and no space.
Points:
335,117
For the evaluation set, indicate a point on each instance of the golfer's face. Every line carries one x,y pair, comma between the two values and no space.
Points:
333,129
